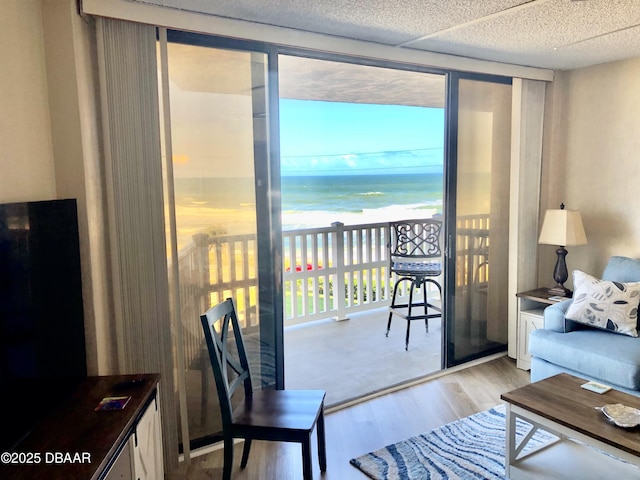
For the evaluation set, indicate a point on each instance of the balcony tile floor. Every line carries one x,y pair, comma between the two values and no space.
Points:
353,358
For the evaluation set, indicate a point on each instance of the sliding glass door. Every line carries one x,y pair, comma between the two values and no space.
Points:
222,111
219,176
478,216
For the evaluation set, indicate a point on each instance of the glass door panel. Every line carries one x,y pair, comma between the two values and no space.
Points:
218,128
478,309
361,145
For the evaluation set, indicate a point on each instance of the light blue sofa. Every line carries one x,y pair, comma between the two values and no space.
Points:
586,352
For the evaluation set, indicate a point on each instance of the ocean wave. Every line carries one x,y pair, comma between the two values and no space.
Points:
293,220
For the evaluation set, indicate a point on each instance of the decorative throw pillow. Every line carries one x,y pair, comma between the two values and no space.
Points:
603,304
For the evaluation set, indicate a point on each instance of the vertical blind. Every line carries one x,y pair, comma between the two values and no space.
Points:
133,174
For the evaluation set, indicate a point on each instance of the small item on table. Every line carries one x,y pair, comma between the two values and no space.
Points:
596,387
112,403
622,415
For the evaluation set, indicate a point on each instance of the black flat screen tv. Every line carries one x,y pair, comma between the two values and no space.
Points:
42,339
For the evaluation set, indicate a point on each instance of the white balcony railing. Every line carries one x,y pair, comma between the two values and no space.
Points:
333,271
327,272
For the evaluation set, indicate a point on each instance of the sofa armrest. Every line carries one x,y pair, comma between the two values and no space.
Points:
554,317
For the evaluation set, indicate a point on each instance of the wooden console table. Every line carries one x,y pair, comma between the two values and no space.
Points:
77,442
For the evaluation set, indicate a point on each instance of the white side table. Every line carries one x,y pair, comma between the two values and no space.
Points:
531,305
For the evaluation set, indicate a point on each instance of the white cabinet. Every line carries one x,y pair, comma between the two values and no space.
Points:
531,305
141,458
122,468
528,321
147,445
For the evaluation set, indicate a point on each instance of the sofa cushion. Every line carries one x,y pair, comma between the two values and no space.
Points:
541,369
604,304
622,269
612,359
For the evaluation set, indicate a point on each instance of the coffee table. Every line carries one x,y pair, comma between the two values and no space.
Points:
560,406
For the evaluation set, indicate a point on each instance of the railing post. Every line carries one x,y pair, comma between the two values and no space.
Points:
201,260
339,293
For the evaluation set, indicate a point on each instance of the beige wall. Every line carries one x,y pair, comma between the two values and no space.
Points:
50,139
71,62
591,162
26,157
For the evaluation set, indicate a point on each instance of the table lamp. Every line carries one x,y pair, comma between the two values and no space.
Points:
564,228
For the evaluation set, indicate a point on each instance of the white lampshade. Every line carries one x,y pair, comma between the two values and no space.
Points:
563,228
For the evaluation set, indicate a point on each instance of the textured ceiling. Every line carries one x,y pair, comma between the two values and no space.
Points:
555,34
307,79
213,70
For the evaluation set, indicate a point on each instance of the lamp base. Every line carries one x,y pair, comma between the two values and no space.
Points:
560,291
560,275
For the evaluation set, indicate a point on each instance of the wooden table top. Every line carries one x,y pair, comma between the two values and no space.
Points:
541,295
75,441
562,400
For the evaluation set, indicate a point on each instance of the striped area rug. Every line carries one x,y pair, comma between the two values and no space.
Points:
469,448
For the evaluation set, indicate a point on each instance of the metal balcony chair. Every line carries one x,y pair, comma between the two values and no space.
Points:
415,256
275,415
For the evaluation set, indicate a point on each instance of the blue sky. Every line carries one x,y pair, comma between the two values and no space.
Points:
331,138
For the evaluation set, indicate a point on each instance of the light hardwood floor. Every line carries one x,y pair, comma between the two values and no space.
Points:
370,425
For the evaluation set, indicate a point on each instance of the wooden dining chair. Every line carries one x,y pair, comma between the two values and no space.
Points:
274,415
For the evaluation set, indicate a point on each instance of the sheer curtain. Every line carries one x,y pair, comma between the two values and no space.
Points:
133,177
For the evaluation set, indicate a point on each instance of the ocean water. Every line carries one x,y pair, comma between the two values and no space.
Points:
318,201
